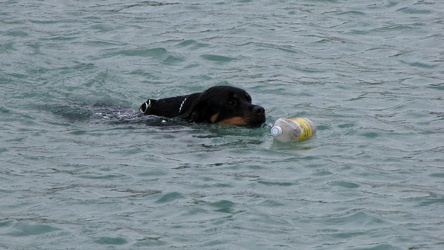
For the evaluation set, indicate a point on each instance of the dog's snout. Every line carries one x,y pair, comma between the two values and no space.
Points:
256,115
258,110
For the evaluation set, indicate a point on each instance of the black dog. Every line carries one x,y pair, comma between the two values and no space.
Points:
223,105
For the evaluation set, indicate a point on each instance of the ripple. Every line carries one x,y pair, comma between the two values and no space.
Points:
410,10
193,44
26,229
171,60
432,201
101,177
111,241
370,134
360,219
218,58
437,175
16,33
224,206
276,183
169,197
420,65
155,52
345,184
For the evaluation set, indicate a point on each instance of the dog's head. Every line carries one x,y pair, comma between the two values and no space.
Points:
225,105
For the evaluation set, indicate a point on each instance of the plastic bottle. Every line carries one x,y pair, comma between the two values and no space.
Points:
293,129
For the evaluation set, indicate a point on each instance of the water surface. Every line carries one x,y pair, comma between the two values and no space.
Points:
369,74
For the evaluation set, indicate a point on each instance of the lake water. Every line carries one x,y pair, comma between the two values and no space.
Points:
77,173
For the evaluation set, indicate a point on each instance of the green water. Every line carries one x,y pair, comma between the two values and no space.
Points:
369,74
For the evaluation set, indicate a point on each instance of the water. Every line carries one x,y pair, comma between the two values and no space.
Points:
76,175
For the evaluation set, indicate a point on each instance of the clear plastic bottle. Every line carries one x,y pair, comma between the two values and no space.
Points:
293,129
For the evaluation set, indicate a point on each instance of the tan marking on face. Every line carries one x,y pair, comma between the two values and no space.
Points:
214,117
234,121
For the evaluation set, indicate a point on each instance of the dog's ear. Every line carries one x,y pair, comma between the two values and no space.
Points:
198,110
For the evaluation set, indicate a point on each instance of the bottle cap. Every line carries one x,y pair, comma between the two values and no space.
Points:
276,131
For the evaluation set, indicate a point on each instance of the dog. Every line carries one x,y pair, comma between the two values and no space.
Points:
224,105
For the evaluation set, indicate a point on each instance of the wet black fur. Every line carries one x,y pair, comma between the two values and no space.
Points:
220,104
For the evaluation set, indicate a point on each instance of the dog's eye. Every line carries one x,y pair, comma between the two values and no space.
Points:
232,102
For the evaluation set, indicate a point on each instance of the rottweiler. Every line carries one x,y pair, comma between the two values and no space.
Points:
224,105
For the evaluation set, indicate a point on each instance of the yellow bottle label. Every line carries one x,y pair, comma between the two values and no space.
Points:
305,127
